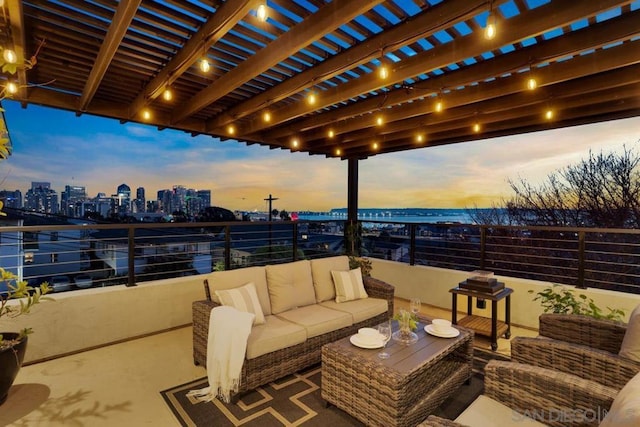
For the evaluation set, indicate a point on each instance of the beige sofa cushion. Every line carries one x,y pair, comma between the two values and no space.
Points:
317,320
274,334
321,272
630,347
361,309
243,298
290,285
486,412
220,280
625,410
349,285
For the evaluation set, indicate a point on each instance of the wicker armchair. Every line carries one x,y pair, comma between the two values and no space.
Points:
542,394
579,345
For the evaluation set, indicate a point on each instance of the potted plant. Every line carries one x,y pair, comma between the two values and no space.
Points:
14,344
559,299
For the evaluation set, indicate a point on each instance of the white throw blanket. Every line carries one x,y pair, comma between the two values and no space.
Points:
229,330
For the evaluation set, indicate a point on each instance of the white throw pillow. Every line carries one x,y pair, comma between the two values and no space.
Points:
349,285
625,410
630,347
244,298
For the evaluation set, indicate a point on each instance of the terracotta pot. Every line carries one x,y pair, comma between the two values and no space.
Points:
10,363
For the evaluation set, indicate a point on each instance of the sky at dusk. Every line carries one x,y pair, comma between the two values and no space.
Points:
57,147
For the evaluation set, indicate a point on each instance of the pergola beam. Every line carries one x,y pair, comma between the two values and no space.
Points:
325,20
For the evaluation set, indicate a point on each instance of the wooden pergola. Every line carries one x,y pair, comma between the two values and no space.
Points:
119,59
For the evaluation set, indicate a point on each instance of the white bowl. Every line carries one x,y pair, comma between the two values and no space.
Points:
441,325
368,336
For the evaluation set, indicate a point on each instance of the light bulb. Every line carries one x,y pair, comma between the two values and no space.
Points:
262,12
295,143
146,114
548,114
266,117
476,127
10,56
490,29
331,133
12,88
167,95
375,145
439,106
204,65
419,138
531,83
338,152
379,120
312,98
383,72
231,129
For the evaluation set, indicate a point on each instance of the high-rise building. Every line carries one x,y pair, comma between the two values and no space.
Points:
123,196
205,198
41,198
71,200
11,199
139,203
164,201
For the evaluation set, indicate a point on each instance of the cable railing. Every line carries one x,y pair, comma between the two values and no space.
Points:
96,255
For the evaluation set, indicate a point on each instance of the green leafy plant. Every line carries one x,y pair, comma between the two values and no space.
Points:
364,264
28,296
406,319
559,299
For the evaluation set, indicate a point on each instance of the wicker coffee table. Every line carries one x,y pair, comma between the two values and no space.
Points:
401,390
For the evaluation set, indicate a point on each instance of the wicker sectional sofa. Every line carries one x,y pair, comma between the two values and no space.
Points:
301,314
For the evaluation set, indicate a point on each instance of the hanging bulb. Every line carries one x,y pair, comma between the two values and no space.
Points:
383,70
10,56
231,130
374,145
476,127
295,143
379,120
549,114
262,12
167,95
11,88
266,117
532,83
419,138
490,29
146,114
338,152
312,98
204,65
439,106
331,133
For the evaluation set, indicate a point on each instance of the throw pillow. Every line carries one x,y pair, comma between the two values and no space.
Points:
630,347
349,285
625,410
244,298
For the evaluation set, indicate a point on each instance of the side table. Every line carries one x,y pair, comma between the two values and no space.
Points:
493,327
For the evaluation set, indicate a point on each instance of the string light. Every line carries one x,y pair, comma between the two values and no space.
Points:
11,88
204,65
532,84
295,143
476,127
420,138
10,56
262,12
231,130
379,120
439,105
266,117
374,145
338,152
312,98
146,114
490,30
167,95
331,133
549,114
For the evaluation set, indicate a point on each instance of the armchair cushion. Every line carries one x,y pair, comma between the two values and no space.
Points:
486,412
625,410
630,347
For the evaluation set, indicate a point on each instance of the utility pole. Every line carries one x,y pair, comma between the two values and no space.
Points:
270,199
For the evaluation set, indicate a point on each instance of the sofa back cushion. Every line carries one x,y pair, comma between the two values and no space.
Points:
321,271
221,280
290,285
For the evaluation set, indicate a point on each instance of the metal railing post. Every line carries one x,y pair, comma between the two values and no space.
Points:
412,244
581,260
483,246
227,247
132,254
295,241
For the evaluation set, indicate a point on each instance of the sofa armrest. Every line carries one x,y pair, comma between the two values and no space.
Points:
549,396
602,334
600,366
377,288
201,312
435,421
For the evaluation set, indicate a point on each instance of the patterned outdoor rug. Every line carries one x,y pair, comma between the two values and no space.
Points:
295,401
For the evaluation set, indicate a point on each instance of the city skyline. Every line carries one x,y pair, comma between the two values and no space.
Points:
100,154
